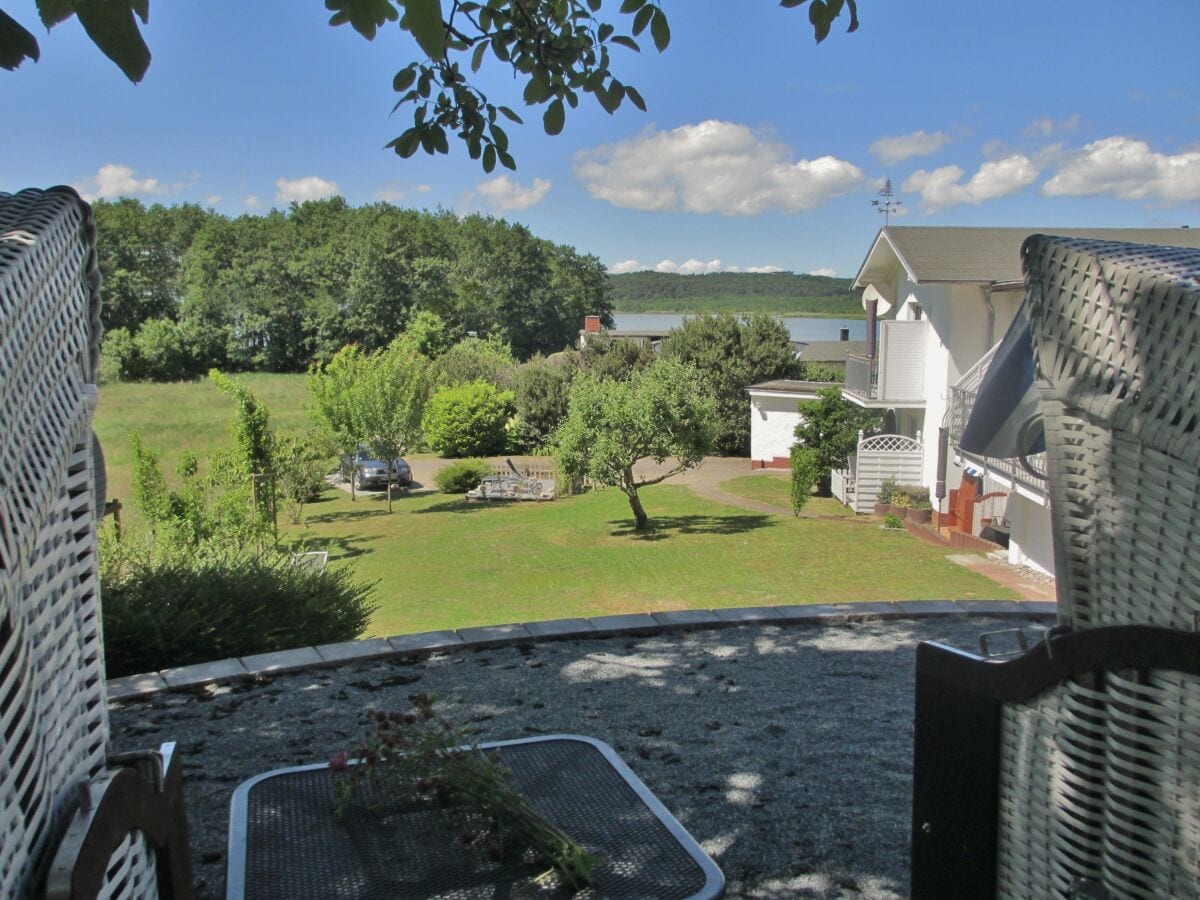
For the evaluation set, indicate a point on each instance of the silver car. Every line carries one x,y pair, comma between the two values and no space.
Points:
365,471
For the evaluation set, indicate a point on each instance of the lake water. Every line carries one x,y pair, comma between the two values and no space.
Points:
801,328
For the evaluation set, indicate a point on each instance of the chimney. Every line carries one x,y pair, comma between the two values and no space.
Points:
591,324
844,334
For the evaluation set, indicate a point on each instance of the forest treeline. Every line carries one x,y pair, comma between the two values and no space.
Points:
749,292
192,289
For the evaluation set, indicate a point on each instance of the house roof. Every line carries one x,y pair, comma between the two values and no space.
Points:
982,255
831,351
790,386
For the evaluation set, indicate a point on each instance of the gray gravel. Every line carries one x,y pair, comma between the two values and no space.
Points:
785,751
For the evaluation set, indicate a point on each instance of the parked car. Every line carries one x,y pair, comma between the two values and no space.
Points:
366,471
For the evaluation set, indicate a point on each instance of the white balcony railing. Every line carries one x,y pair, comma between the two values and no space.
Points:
897,375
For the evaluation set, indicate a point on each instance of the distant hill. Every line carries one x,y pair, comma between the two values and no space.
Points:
776,292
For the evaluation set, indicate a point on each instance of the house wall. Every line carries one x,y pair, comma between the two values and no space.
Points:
1031,540
773,421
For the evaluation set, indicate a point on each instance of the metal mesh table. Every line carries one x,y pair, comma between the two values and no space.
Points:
284,841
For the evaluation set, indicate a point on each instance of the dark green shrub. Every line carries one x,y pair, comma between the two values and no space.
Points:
118,357
806,469
462,476
164,609
467,420
892,521
541,397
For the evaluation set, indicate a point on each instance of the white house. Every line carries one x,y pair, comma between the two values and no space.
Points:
954,292
774,415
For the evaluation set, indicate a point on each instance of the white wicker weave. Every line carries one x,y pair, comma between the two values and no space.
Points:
52,690
1100,777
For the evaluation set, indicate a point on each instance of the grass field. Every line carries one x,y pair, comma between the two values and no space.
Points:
769,487
444,563
172,418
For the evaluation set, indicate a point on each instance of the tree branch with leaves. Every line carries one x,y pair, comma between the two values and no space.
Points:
559,48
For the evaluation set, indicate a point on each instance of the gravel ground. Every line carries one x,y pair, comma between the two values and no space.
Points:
785,750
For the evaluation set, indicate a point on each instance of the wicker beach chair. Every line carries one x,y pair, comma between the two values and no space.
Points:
1081,758
55,776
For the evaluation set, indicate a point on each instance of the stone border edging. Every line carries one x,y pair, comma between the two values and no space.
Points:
488,636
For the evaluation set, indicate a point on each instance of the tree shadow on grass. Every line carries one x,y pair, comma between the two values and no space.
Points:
455,506
349,515
339,548
662,527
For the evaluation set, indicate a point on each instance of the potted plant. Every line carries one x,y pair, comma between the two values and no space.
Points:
883,499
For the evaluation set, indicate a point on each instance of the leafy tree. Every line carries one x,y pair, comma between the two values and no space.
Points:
660,412
375,399
558,48
815,371
467,420
428,334
604,357
161,355
118,356
829,427
301,464
251,429
476,359
733,353
541,396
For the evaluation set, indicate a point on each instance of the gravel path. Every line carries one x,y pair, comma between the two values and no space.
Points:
785,750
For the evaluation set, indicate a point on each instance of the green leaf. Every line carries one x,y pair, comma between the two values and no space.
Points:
364,16
507,161
510,115
642,19
489,158
853,4
604,32
660,30
477,56
406,145
791,4
554,118
112,27
538,89
594,5
52,12
635,98
632,6
16,44
438,139
423,19
404,79
627,42
818,15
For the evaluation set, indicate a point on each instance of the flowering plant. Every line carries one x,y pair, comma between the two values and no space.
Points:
419,756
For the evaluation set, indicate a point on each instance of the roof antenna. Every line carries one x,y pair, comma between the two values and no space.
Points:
887,205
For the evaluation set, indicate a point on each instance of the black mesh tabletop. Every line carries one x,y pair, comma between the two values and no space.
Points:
285,843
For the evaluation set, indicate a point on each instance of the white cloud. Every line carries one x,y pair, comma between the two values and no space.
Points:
1127,168
828,273
1047,126
504,193
944,187
712,167
213,200
389,193
421,188
252,201
298,190
626,265
891,150
691,267
114,180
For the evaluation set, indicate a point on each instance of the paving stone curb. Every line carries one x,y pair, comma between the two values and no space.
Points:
132,687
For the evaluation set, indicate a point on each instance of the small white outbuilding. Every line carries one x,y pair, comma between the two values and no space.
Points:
774,415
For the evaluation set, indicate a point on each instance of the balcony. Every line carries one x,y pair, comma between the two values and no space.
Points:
897,376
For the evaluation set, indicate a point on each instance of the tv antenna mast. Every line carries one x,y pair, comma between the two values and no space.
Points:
887,205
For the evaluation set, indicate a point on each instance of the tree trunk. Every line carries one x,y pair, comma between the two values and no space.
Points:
640,518
389,491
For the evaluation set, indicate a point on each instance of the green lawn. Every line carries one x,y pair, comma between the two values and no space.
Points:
190,415
444,563
776,488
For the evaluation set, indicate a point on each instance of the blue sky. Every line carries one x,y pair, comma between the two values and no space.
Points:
760,150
